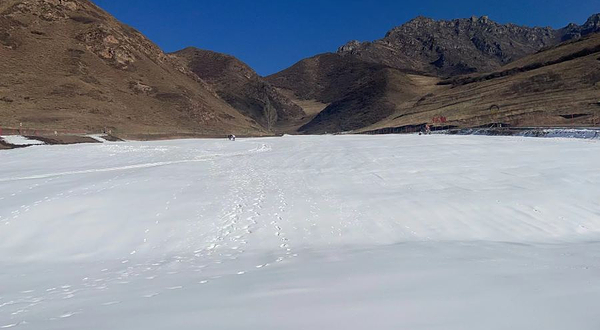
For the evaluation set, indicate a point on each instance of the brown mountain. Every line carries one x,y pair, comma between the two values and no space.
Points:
364,84
460,46
67,64
241,87
352,93
559,86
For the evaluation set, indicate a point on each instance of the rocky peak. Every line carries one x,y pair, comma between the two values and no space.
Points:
574,31
420,20
349,47
592,23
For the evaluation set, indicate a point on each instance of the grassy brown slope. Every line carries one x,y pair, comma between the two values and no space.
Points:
324,78
377,97
556,87
70,65
241,87
346,93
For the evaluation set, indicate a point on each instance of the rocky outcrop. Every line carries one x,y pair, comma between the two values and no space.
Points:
574,31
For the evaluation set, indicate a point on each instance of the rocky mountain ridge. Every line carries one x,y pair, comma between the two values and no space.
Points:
461,46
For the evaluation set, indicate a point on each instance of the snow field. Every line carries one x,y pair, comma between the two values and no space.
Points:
419,232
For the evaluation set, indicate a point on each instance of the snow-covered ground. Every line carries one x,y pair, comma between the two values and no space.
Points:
574,133
329,232
19,140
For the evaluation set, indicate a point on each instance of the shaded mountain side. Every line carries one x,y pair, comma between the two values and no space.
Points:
352,93
67,64
376,97
325,78
240,86
318,82
365,105
461,46
556,87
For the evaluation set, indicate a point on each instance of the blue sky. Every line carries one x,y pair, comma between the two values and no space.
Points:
272,35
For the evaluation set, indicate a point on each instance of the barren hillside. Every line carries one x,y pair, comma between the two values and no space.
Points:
559,86
70,65
240,86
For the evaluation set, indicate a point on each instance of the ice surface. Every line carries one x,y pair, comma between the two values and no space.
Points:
99,137
19,140
330,232
574,133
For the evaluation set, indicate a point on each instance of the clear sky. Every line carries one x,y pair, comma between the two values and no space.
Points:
271,35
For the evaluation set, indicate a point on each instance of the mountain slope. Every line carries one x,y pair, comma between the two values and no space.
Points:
70,65
324,79
559,86
354,93
240,86
462,45
366,83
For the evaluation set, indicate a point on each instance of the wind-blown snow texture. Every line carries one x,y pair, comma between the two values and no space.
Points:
330,232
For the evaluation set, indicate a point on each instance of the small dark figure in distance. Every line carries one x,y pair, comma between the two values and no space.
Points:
231,137
427,129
